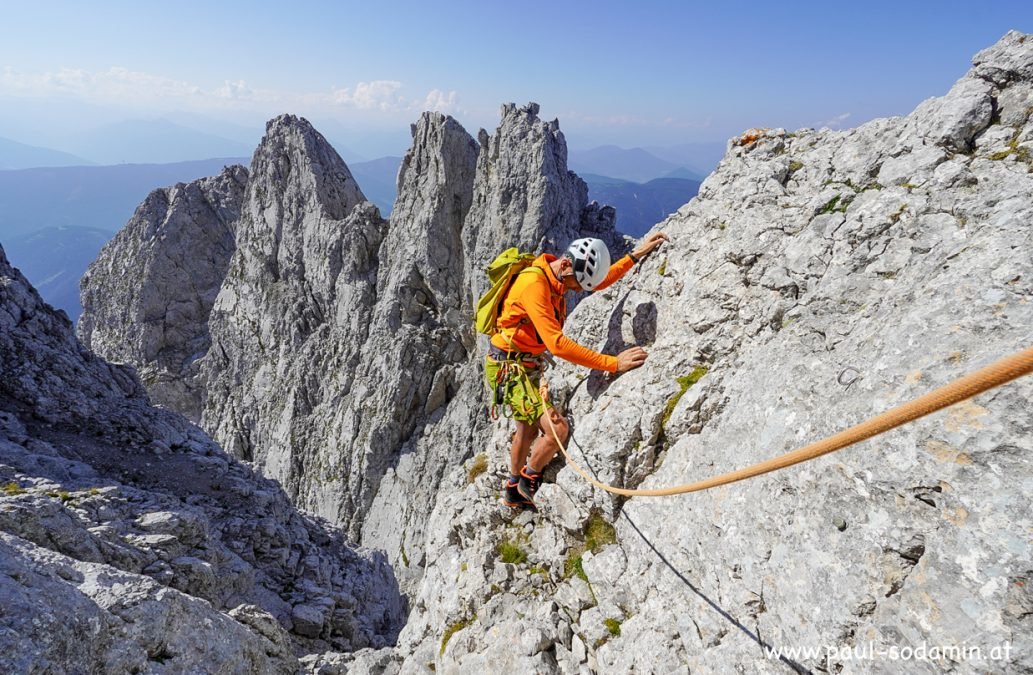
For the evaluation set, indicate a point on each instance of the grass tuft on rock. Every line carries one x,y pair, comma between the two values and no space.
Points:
572,565
452,630
537,569
511,552
834,206
1021,153
598,533
685,383
477,467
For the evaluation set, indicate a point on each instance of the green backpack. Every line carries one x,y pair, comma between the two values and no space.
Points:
501,273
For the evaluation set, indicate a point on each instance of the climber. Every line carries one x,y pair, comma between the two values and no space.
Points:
531,322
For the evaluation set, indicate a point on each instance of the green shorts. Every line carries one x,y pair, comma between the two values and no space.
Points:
514,387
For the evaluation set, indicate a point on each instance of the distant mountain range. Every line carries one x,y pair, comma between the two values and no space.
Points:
378,179
15,155
102,197
153,141
640,206
694,161
136,141
699,158
54,259
54,221
633,164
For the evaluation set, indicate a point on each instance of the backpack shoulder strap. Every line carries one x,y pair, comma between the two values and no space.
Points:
561,312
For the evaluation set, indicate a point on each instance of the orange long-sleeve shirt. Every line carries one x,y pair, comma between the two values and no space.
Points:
539,299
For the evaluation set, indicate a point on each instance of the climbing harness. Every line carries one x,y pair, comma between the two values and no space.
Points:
995,375
513,372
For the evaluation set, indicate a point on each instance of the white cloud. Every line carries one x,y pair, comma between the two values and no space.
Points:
836,122
119,85
116,83
438,101
234,90
376,95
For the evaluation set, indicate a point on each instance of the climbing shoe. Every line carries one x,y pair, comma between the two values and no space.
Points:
513,499
529,483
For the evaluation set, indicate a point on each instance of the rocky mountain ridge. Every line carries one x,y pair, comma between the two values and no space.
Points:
130,542
327,313
818,277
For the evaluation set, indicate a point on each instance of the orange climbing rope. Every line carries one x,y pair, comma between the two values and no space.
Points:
985,379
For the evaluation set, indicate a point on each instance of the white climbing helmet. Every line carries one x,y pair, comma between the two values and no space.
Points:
591,261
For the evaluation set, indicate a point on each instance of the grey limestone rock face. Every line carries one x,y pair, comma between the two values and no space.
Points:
525,196
435,191
79,617
347,355
149,293
818,279
130,541
293,315
342,358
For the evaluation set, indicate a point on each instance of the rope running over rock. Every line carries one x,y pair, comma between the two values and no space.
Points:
985,379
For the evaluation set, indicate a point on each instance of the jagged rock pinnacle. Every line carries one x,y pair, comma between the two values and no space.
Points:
148,296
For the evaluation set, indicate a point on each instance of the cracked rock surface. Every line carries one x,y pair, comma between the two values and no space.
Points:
819,278
150,292
341,360
130,542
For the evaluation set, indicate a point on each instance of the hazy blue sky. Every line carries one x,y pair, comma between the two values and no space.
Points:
629,73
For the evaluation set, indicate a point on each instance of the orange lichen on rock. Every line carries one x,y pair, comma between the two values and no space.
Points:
750,136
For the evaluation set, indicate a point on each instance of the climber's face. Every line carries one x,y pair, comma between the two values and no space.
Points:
567,275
